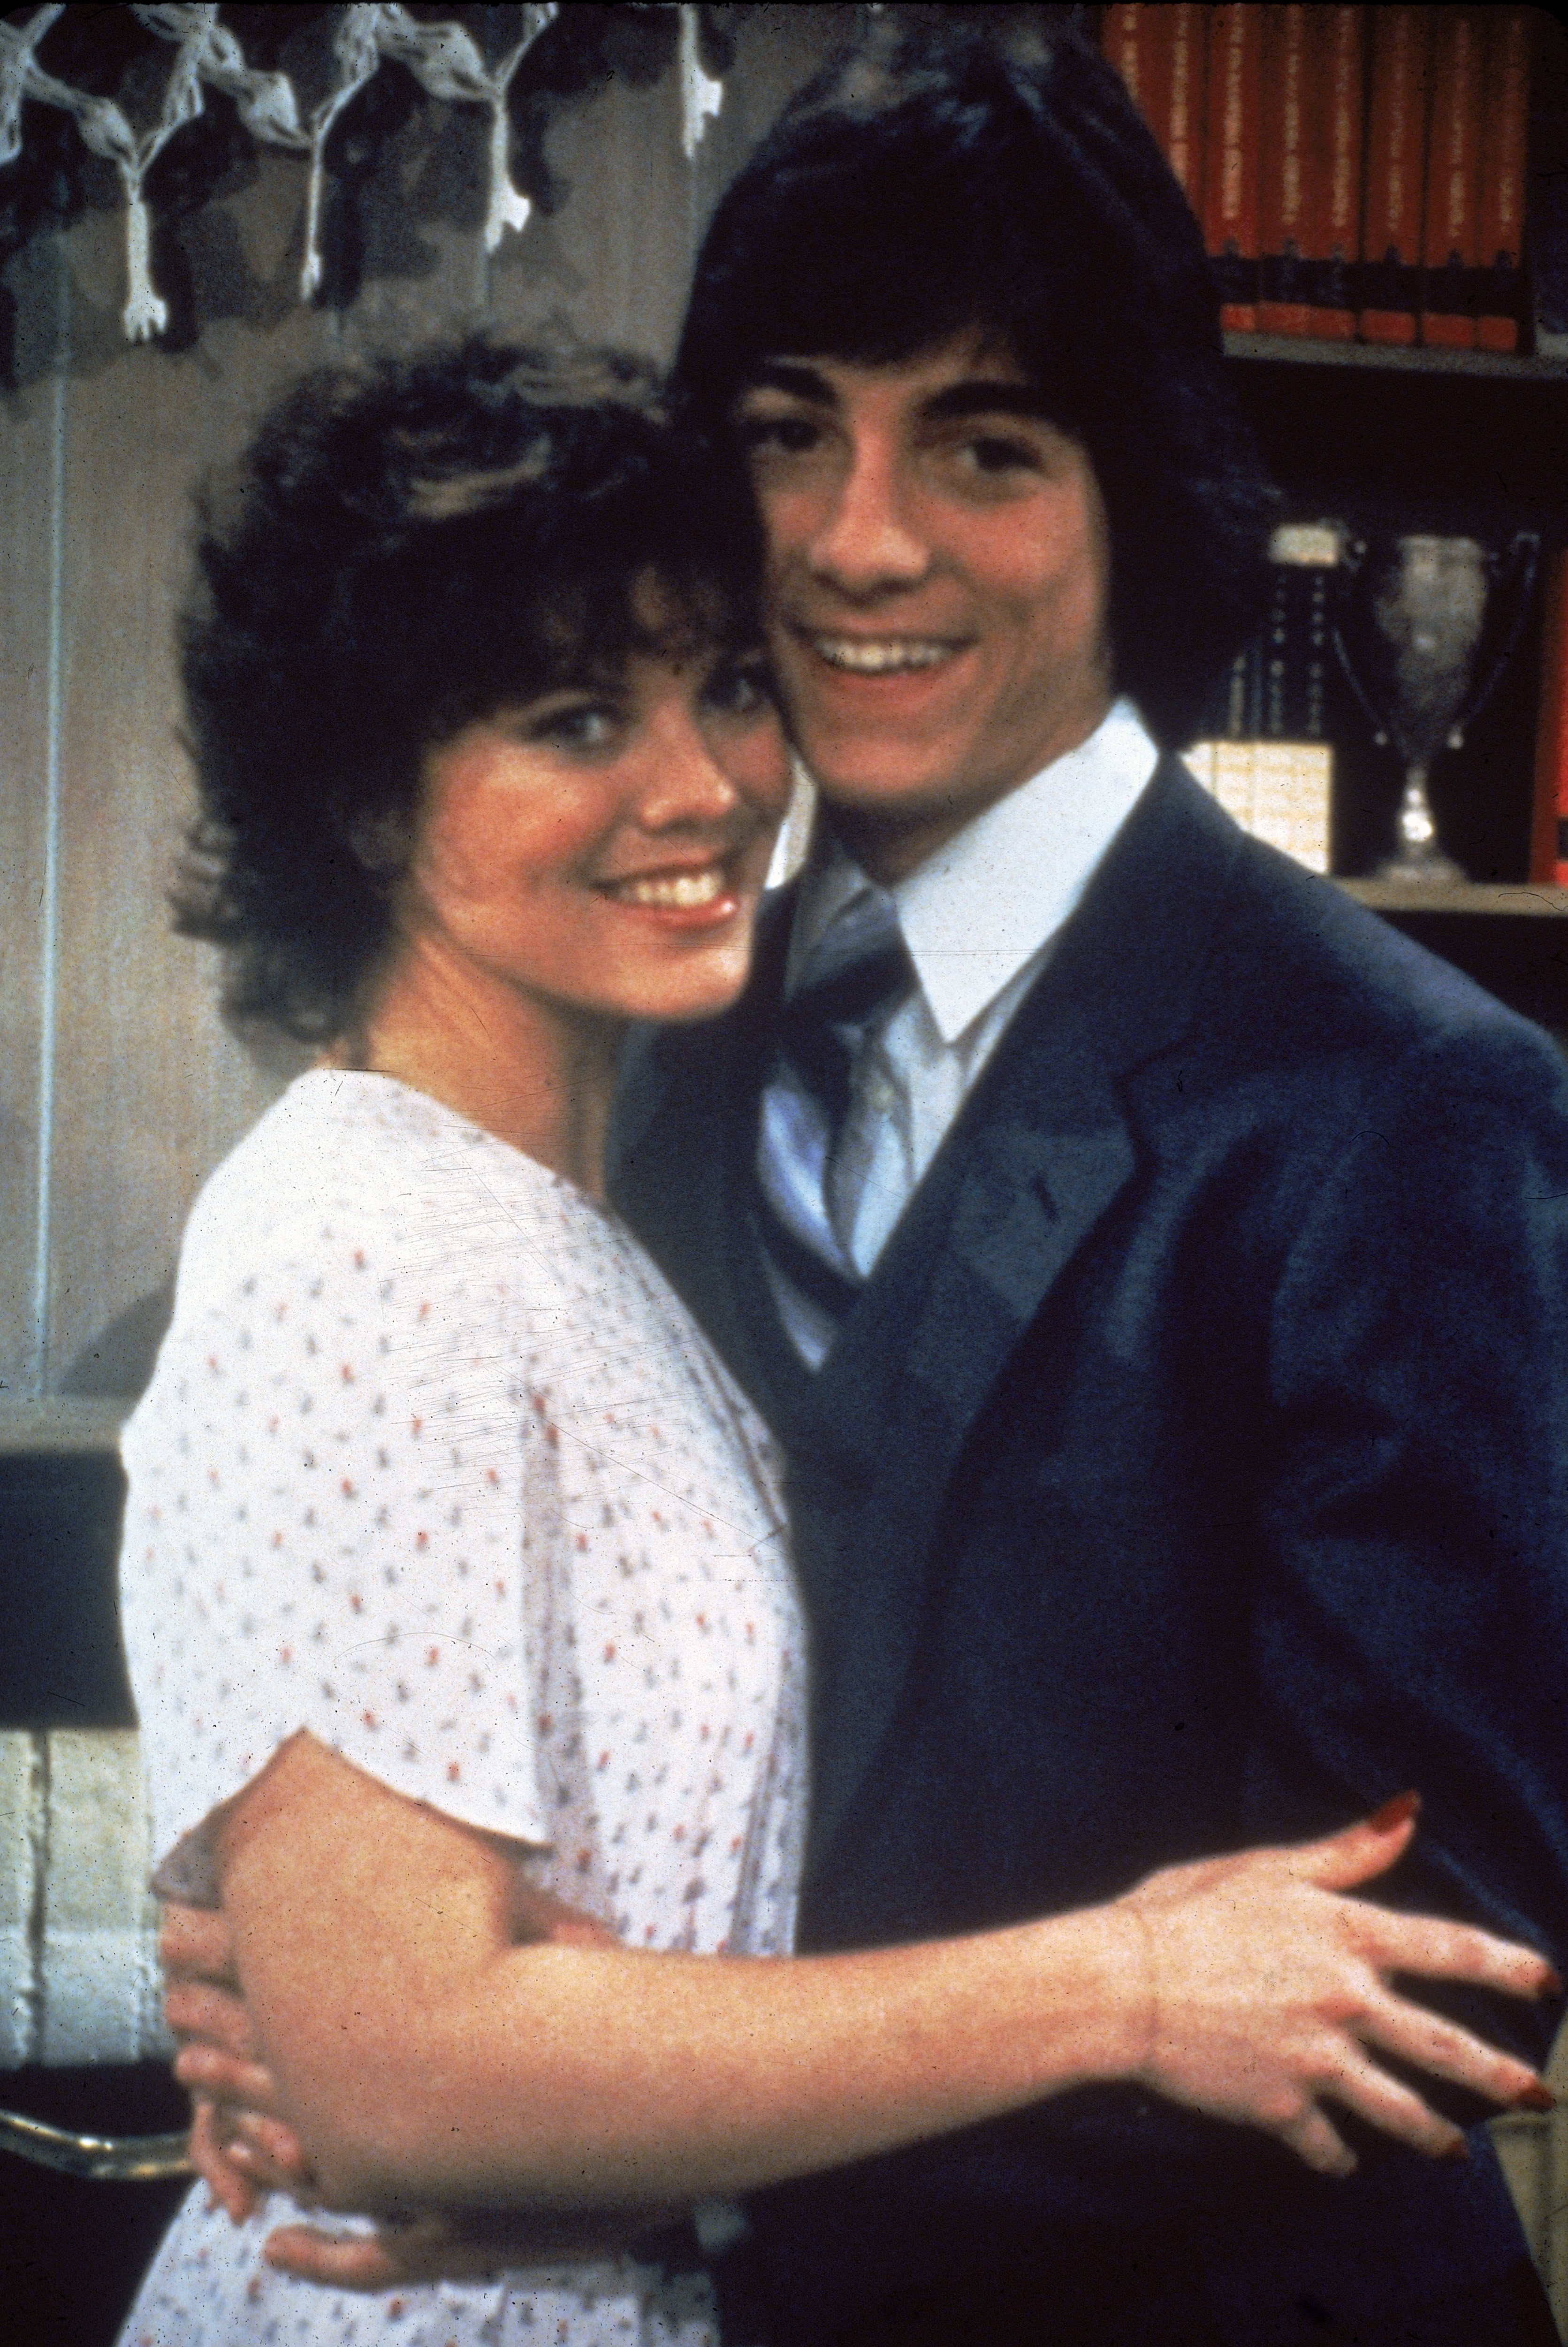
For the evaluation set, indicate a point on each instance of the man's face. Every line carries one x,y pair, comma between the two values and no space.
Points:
939,577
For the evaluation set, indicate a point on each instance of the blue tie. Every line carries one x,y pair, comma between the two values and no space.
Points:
858,970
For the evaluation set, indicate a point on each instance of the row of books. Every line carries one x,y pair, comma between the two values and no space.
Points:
1269,758
1359,172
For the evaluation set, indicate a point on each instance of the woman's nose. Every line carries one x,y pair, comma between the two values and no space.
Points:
684,785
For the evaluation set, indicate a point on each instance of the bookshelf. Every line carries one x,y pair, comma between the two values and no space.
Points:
1456,442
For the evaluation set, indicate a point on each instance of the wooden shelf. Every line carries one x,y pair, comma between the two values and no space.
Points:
1392,358
60,1424
1508,900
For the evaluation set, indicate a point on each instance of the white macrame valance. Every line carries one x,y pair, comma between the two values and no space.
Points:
444,58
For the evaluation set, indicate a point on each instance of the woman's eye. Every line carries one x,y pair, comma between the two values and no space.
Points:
742,690
589,726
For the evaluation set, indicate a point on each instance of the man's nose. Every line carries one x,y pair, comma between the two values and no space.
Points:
868,539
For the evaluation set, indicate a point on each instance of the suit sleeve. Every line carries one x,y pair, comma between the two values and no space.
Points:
1413,1625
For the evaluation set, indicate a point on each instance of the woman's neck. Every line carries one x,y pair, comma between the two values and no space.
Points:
537,1074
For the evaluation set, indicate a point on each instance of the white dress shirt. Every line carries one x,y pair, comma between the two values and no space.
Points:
979,918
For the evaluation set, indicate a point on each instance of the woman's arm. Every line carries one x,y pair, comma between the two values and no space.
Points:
424,2058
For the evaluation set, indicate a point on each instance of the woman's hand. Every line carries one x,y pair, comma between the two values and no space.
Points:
1269,1994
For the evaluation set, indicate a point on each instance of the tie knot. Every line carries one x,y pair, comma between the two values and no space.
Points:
859,967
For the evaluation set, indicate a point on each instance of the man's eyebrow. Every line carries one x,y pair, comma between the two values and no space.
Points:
787,374
983,398
976,396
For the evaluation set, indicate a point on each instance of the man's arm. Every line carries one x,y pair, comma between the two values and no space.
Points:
1412,1621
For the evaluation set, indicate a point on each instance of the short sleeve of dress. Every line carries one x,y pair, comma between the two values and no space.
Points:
325,1522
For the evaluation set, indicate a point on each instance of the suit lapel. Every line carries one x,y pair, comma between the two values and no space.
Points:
1039,1154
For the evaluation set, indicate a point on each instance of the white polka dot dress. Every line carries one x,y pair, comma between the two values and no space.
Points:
435,1465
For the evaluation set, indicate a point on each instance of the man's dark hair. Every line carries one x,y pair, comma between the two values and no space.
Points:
405,549
939,178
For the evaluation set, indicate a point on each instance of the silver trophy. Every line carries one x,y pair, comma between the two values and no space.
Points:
1411,619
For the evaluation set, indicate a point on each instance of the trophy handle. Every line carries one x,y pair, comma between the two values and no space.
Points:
1519,562
1352,554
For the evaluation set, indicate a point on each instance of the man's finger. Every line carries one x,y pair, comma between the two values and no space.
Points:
233,2192
425,2251
226,2077
195,2008
196,1940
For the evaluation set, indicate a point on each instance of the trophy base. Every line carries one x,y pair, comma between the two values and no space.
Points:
1430,870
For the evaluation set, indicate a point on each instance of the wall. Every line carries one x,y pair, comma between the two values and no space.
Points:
118,1087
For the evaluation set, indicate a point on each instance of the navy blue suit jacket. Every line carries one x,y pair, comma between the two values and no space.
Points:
1189,1474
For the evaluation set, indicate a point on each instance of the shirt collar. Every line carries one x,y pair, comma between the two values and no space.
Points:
986,903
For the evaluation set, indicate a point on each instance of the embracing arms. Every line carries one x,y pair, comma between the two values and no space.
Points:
422,2057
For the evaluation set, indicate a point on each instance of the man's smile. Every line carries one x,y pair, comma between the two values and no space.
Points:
879,655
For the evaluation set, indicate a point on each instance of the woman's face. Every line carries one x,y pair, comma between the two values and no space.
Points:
602,848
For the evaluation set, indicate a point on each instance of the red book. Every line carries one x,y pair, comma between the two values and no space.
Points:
1161,53
1505,120
1288,185
1450,245
1395,173
1549,831
1136,39
1231,162
1182,133
1336,58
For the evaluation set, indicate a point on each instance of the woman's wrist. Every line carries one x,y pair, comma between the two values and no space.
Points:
1099,1991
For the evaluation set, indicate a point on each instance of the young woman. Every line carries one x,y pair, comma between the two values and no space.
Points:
454,1568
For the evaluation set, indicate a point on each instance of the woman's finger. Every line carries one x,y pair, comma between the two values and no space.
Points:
1385,2102
1314,2137
1434,1949
1357,1852
1429,2042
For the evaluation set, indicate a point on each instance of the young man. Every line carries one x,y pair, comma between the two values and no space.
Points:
1159,1285
1165,1321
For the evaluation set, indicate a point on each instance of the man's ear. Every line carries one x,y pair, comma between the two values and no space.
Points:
382,841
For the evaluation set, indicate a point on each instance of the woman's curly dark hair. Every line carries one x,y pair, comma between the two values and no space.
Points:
404,548
941,176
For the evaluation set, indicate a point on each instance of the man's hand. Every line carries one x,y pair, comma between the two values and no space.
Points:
243,2147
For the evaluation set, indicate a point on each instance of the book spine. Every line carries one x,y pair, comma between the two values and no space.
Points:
1549,830
1284,305
1451,246
1293,764
1231,162
1505,126
1339,58
1137,41
1396,186
1161,55
1183,134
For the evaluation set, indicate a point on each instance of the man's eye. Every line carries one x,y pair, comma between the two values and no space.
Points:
994,453
788,436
